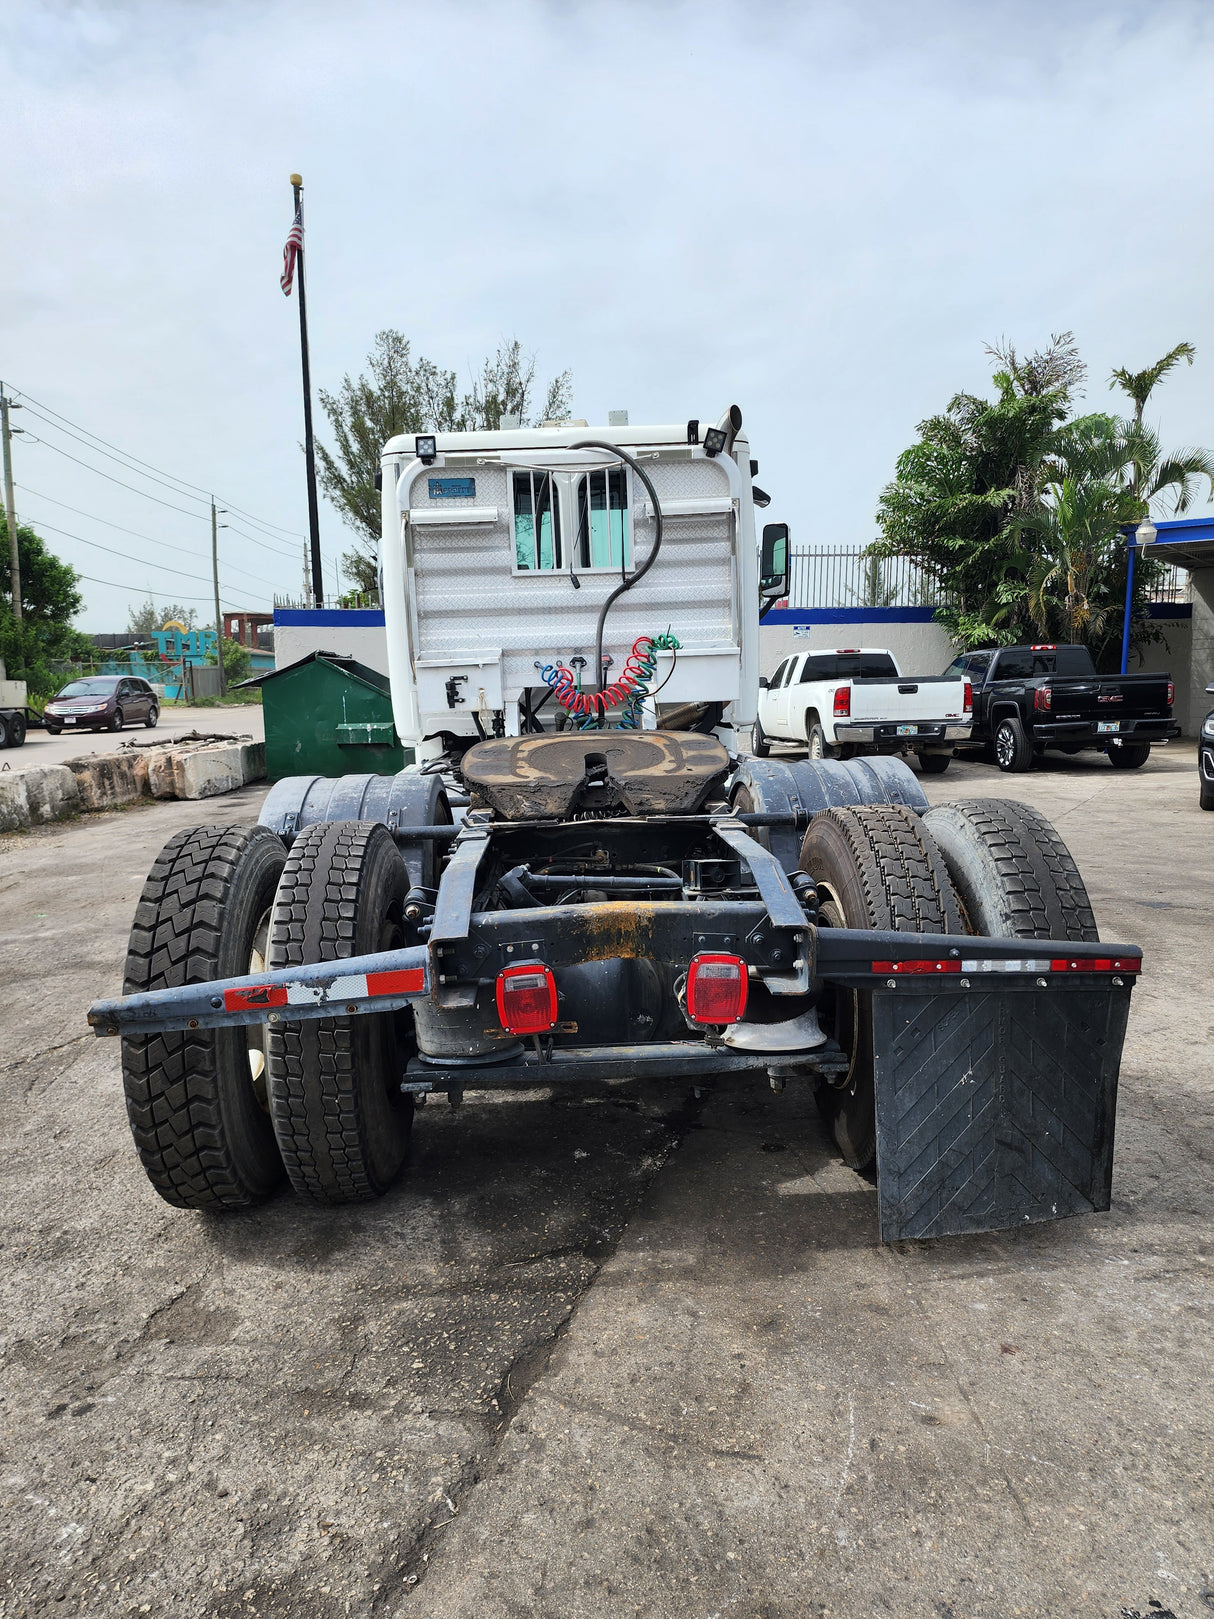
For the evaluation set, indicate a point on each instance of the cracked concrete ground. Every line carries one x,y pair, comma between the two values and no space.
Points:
618,1355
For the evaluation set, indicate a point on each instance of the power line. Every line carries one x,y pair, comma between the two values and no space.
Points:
260,522
134,533
118,585
119,458
141,561
199,517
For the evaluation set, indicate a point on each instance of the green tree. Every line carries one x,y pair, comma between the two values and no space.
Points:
1021,513
1073,566
237,662
1140,384
148,617
50,599
400,394
958,490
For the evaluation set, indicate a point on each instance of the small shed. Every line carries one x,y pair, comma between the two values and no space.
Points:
329,715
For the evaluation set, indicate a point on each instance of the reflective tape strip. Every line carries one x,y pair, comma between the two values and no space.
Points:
249,1000
1005,966
916,966
1101,964
1058,964
351,987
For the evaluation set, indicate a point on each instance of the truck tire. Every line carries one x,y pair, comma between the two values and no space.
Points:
1013,745
760,743
1130,755
196,1100
1205,796
16,731
934,764
3,731
1015,877
874,867
341,1120
817,747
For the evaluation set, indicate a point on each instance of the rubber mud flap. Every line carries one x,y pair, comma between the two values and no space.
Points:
995,1107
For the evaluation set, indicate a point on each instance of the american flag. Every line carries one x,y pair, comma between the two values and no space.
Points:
294,246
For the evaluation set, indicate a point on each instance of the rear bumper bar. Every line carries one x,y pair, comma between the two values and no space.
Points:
1129,730
856,958
887,731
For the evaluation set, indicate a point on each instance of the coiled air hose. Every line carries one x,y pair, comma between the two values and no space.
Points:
589,708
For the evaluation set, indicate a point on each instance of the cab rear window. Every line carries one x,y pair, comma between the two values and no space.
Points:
848,666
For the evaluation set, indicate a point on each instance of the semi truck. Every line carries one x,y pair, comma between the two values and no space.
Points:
586,876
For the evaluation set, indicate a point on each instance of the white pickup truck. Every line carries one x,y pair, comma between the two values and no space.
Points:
857,699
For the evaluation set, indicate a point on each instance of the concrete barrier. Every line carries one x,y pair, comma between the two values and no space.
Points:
106,780
207,772
33,797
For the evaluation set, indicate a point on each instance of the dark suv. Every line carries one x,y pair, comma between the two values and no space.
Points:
102,702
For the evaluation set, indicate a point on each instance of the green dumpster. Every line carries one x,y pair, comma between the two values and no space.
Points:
328,715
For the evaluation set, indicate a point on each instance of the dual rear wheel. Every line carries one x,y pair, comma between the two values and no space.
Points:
220,1116
980,866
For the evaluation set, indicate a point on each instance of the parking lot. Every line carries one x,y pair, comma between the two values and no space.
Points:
630,1353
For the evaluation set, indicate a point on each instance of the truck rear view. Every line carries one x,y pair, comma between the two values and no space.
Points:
618,891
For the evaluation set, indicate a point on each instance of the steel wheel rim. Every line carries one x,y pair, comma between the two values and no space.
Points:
255,1033
815,745
1004,745
840,1007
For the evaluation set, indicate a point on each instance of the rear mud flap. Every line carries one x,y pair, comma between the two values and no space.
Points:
994,1107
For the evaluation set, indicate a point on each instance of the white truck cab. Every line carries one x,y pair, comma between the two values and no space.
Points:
500,549
852,699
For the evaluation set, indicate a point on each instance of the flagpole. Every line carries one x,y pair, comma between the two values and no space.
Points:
318,588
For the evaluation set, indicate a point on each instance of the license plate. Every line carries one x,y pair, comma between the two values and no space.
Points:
1107,725
68,719
908,730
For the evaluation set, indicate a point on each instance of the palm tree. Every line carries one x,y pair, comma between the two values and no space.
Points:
1072,542
1139,384
1151,474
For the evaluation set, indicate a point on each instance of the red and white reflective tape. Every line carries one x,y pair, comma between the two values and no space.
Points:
1058,964
353,987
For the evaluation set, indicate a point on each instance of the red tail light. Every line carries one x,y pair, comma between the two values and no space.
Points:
969,697
716,989
1043,698
843,701
526,998
1171,692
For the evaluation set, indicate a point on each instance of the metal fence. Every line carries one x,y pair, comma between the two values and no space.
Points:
347,599
854,579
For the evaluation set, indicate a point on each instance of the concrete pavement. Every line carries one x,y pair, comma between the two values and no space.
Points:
625,1354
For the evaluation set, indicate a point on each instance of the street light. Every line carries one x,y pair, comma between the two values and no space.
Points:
1145,534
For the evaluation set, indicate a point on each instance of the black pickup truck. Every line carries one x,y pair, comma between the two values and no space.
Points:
1029,698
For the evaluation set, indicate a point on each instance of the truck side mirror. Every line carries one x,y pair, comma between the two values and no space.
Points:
763,682
773,561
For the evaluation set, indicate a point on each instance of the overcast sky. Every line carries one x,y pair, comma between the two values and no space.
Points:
819,211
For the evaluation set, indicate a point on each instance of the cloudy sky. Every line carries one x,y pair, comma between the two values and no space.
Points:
820,211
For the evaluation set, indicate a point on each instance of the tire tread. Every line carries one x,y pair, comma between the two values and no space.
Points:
170,1079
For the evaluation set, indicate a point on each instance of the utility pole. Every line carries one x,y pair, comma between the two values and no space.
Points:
318,585
10,505
215,578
